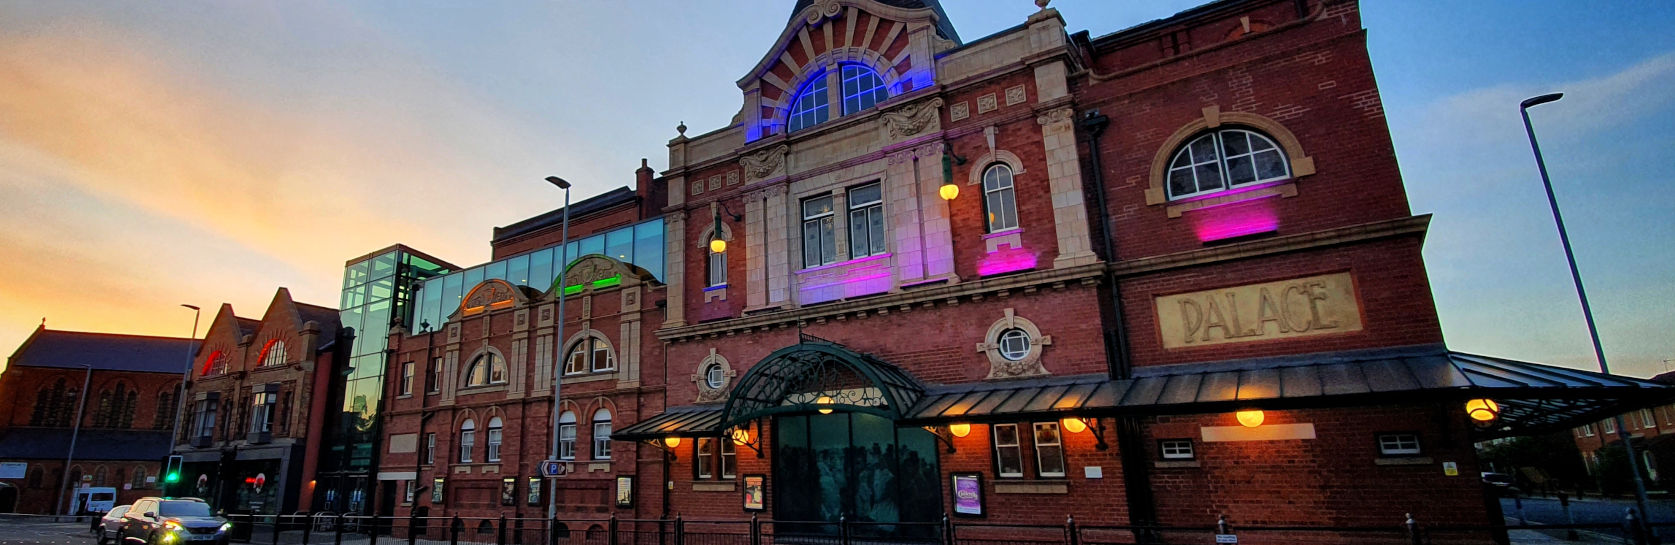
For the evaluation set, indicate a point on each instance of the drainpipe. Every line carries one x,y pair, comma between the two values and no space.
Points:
1142,507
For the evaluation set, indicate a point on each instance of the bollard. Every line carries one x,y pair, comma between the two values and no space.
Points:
552,531
1413,530
453,530
947,529
337,529
680,530
1564,503
374,538
610,530
307,527
1071,536
412,524
517,529
755,530
277,521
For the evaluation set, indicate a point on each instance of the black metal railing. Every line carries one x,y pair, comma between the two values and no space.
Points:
339,529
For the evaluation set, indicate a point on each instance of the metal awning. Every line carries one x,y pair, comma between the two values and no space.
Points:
1533,397
688,421
820,375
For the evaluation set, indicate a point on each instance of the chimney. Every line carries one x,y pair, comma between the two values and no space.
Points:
643,189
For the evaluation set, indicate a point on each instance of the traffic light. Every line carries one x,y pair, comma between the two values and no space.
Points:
171,474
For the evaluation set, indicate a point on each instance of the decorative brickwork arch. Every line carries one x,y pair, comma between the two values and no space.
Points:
1301,163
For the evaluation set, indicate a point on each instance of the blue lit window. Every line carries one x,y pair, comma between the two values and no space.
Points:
862,88
810,108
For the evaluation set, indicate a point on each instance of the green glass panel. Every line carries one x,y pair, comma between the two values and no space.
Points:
382,288
355,275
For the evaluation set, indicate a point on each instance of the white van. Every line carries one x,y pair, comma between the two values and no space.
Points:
95,499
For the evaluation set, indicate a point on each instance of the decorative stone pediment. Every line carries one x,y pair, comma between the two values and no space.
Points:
492,294
598,271
913,119
765,164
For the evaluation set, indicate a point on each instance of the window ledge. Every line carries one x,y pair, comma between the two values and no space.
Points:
1287,188
712,487
838,264
1403,461
1171,464
486,388
1003,232
589,377
1032,487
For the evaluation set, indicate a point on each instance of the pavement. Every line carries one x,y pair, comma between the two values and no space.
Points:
16,531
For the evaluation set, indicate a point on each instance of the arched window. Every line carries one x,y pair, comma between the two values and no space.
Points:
717,269
138,481
273,353
215,364
35,476
1000,200
602,434
1225,159
494,439
567,436
485,370
467,440
164,417
589,355
862,88
811,106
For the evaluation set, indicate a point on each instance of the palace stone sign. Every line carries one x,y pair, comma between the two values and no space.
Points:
1301,307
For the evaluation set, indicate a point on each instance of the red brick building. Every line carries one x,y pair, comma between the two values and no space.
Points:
1149,277
123,389
256,407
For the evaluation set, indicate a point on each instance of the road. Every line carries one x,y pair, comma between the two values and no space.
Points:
29,532
1589,511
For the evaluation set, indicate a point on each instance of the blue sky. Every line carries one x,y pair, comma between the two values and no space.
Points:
159,153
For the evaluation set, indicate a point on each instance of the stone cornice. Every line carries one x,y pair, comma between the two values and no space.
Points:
1411,225
906,300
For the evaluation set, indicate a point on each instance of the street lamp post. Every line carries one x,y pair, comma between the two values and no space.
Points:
558,363
75,430
180,391
1582,294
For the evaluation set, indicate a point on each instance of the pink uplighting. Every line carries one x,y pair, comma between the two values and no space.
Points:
1235,220
1004,260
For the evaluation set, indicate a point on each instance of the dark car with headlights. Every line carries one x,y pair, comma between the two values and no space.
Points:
176,521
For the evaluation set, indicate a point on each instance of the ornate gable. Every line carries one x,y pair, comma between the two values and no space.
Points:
896,42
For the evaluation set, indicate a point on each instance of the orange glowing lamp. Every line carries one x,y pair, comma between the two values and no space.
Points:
1483,410
1250,419
1074,425
959,430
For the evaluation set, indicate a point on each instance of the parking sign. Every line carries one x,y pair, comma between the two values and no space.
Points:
552,468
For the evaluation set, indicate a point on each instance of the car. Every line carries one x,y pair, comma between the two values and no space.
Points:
111,524
173,521
1498,481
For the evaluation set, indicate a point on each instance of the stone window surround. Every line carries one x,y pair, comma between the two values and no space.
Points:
713,395
465,372
1301,163
829,65
1030,364
564,355
840,221
715,292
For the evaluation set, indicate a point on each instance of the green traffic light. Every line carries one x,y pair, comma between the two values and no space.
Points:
172,478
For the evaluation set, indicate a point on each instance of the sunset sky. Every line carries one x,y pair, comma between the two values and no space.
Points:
158,153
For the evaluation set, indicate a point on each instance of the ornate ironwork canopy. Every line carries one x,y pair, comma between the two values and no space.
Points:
818,375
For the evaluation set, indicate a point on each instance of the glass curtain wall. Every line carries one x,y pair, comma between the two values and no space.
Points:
640,244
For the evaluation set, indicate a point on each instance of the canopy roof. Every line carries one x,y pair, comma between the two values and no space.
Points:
1534,398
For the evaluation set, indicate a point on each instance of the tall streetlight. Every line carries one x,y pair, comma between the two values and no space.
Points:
180,391
1582,294
70,455
558,363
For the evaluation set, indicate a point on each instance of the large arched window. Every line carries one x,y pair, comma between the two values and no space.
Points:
567,436
602,434
811,107
215,364
862,88
485,370
494,439
273,353
467,440
589,355
1225,159
1000,199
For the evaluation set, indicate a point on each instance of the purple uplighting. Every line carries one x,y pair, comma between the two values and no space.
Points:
1235,220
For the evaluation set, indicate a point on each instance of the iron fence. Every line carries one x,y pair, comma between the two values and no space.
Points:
338,529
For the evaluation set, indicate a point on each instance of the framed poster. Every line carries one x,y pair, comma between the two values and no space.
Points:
968,494
436,491
509,491
624,491
755,494
535,491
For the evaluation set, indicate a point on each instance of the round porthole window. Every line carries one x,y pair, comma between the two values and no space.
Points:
714,376
1014,344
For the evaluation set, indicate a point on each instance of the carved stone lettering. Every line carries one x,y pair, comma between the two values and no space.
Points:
1315,305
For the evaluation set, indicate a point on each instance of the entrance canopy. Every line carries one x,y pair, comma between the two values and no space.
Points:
1533,398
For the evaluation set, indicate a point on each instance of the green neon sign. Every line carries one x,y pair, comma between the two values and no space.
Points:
596,284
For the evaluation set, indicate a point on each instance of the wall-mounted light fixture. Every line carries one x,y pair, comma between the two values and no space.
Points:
1250,419
949,189
825,404
718,244
1483,410
959,430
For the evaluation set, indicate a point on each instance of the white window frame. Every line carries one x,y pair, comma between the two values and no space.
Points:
1647,419
1010,336
861,225
811,106
435,377
204,418
491,369
1176,449
567,436
261,411
274,354
494,438
874,93
717,269
1057,442
430,448
1610,426
406,378
823,226
1222,161
1399,444
1588,429
703,458
1000,202
589,349
1015,447
412,488
467,440
729,464
715,376
602,434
